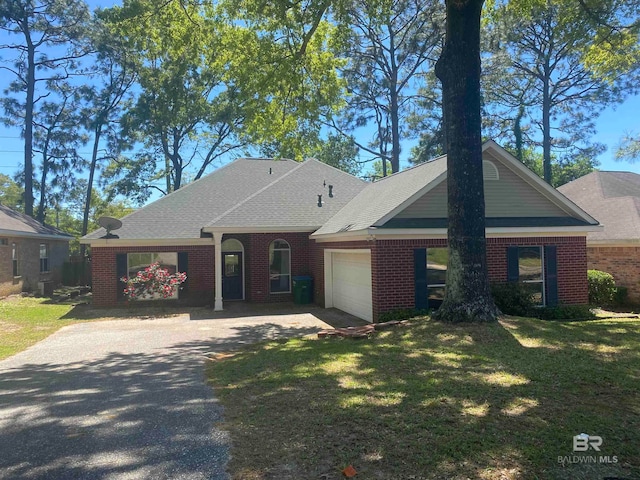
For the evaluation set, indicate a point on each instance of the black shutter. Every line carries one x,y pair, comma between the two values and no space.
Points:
420,278
121,271
513,267
183,266
551,274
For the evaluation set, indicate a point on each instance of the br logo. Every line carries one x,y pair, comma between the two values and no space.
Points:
583,442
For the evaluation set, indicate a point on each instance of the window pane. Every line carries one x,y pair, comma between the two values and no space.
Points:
530,263
167,260
280,244
139,261
280,283
43,250
231,267
279,266
437,259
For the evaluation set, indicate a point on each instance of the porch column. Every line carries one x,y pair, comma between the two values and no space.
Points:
217,240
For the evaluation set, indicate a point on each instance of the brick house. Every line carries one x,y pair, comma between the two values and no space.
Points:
30,253
614,199
370,247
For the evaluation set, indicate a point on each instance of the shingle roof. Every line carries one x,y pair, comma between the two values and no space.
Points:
611,197
244,193
378,199
19,224
292,200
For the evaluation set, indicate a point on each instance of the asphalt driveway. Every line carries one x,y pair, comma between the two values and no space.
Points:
125,399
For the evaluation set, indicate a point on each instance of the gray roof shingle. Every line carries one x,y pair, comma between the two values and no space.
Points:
611,197
292,201
244,194
23,225
184,212
374,202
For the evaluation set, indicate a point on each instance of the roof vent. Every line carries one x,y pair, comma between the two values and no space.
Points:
270,171
320,200
489,171
330,191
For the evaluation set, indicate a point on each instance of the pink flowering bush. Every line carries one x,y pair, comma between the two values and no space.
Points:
152,282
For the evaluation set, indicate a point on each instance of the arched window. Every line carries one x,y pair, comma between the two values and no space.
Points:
279,267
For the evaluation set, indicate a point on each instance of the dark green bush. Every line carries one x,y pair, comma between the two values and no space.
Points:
563,312
402,314
512,298
621,296
602,288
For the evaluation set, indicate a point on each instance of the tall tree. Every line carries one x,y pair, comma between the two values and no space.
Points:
184,112
105,100
57,140
45,40
339,152
554,73
389,45
467,296
629,148
10,193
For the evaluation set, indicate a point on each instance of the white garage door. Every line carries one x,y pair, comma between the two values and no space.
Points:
351,286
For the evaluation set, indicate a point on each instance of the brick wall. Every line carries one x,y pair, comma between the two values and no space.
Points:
257,263
621,262
392,267
200,271
29,264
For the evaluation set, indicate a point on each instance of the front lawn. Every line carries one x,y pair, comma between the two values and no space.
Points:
500,401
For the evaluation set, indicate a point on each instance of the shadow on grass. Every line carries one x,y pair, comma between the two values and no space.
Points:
435,401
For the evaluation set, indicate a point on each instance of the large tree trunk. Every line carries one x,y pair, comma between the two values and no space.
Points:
546,129
87,199
28,125
467,297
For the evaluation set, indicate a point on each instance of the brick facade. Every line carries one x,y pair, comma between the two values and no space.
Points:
391,267
621,262
393,278
105,279
29,264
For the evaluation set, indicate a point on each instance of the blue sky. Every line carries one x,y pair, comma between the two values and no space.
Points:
611,125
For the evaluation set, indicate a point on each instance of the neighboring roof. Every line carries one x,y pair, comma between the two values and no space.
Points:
378,204
292,200
611,197
13,223
245,194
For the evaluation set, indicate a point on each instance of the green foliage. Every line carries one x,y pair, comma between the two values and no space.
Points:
602,287
564,312
338,151
629,149
621,296
512,298
10,193
402,314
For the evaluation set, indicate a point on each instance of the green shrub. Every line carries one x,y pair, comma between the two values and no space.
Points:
402,314
621,296
602,287
563,312
512,298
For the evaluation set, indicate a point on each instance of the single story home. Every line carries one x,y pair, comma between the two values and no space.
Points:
31,254
243,232
614,199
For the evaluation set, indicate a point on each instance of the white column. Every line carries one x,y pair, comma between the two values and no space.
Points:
217,240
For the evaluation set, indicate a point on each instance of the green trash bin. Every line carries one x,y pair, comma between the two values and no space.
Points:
302,290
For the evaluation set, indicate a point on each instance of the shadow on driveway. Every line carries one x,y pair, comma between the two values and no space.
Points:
121,399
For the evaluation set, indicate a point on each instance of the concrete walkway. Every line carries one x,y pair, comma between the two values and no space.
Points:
126,399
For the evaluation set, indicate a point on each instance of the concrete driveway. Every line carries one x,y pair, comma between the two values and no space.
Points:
126,399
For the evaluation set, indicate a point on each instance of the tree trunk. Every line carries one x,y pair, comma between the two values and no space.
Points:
28,127
467,297
546,129
87,200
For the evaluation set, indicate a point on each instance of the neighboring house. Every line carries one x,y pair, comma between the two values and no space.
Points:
30,253
614,199
244,231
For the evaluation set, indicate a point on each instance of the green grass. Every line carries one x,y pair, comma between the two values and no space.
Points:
27,320
431,400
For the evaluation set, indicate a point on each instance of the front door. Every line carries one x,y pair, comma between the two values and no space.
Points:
232,276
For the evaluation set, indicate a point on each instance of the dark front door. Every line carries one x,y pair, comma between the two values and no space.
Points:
232,276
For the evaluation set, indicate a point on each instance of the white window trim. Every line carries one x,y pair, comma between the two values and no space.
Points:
46,246
288,249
